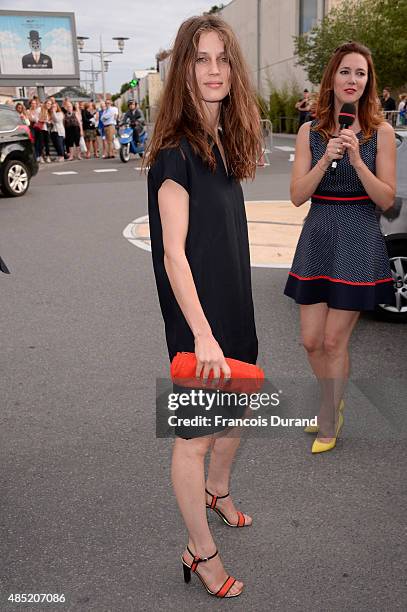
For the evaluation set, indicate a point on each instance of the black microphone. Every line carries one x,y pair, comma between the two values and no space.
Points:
347,116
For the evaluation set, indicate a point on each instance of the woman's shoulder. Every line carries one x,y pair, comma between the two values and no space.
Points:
385,128
170,163
385,135
304,133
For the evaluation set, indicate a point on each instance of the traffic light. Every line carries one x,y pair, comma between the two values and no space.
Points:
133,83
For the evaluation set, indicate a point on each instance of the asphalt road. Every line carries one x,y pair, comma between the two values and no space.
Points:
86,508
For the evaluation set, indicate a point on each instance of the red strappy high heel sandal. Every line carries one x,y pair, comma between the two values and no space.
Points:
226,586
240,516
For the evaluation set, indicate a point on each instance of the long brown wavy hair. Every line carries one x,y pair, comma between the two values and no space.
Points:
181,112
369,113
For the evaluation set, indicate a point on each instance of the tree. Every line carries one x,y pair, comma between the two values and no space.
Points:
381,25
125,87
215,9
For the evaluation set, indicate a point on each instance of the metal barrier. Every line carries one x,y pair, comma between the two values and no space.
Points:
287,125
267,131
395,118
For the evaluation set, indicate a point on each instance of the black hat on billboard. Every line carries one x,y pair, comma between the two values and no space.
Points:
33,35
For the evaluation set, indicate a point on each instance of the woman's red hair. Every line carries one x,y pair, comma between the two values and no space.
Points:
369,113
181,113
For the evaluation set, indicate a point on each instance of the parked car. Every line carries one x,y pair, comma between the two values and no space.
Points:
17,156
393,224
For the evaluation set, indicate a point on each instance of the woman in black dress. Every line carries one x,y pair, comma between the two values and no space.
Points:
206,139
341,265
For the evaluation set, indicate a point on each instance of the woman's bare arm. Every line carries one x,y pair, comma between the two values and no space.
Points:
173,201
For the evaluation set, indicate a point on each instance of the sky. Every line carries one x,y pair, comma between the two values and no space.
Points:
151,25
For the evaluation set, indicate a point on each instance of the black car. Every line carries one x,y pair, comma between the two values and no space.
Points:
17,156
393,224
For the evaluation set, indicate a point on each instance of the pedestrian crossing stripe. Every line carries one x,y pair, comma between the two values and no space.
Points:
285,148
65,172
106,170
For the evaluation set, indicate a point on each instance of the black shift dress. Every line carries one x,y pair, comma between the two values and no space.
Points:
217,249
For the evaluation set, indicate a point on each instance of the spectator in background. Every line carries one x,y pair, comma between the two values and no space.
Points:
78,112
115,111
101,129
36,99
33,114
44,122
402,109
302,107
58,130
72,132
312,108
90,119
109,118
20,108
388,103
64,104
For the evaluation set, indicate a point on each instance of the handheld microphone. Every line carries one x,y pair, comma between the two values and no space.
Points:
347,116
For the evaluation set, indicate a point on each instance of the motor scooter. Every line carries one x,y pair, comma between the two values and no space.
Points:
127,144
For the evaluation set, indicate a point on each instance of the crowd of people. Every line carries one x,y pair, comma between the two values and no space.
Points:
77,130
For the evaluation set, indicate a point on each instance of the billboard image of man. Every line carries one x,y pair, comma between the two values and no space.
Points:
36,59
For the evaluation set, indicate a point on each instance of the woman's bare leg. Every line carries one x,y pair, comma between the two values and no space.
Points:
188,478
223,451
338,330
313,320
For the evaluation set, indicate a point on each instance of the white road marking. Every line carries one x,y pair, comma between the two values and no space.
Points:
285,148
292,157
65,172
106,170
129,233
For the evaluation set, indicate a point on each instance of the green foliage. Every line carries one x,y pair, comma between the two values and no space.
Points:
263,107
215,9
281,110
124,106
381,25
125,87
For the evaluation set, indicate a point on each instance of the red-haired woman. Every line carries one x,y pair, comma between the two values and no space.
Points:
341,266
207,138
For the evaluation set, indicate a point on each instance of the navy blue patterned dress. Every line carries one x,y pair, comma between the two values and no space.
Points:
341,257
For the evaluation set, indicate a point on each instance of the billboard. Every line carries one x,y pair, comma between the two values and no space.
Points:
38,48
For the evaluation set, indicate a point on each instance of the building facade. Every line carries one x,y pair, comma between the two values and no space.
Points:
265,29
149,91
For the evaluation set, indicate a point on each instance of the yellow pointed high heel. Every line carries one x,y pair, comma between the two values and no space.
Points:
321,447
314,428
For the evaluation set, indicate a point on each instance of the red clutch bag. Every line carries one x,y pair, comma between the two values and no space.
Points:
245,377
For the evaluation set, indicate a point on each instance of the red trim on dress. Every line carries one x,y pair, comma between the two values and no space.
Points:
320,197
337,280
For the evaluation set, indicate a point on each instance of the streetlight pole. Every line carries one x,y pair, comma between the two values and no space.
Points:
102,67
258,46
102,54
93,77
